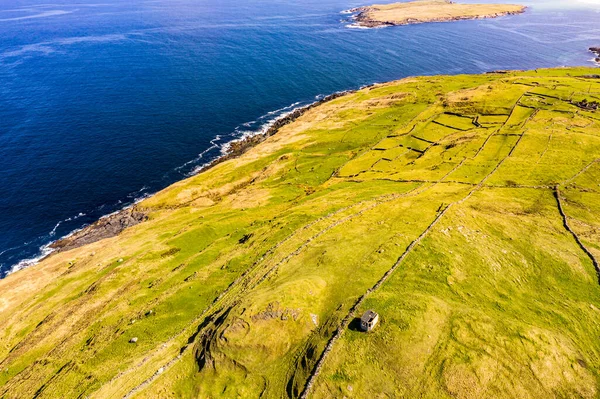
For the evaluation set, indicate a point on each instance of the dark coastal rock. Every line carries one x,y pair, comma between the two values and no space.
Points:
362,19
106,227
596,51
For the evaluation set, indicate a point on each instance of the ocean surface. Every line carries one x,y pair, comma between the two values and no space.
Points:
104,102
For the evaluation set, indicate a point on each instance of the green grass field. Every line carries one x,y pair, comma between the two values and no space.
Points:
465,210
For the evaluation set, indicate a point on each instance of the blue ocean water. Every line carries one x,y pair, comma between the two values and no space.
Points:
103,102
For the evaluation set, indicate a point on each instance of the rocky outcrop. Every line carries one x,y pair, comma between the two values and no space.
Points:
106,227
587,105
596,51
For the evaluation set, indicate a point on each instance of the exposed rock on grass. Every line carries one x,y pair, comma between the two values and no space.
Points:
106,227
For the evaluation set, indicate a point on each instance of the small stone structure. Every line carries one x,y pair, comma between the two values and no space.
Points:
369,320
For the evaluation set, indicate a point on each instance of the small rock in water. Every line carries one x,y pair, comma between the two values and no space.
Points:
133,340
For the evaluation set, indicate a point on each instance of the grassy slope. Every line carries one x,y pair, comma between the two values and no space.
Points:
244,273
435,10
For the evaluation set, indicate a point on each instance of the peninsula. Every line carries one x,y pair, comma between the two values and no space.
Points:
422,11
460,212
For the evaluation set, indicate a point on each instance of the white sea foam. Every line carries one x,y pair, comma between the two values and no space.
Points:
37,7
51,46
142,197
72,218
277,111
557,33
8,249
53,231
358,26
137,193
45,14
44,251
42,48
214,144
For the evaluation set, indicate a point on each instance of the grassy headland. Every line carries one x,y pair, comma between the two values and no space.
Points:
422,11
464,209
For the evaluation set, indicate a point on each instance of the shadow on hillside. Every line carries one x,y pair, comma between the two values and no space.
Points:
355,324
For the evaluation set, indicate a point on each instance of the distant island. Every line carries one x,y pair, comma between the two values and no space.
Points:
422,11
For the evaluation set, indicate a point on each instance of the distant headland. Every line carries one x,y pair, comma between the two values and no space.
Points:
422,11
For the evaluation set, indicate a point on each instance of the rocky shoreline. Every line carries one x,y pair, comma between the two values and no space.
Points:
596,51
106,227
364,19
239,147
114,224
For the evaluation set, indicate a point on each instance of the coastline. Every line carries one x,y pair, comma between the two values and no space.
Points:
182,290
362,18
114,223
596,52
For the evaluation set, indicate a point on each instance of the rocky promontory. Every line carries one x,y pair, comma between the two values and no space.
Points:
106,227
